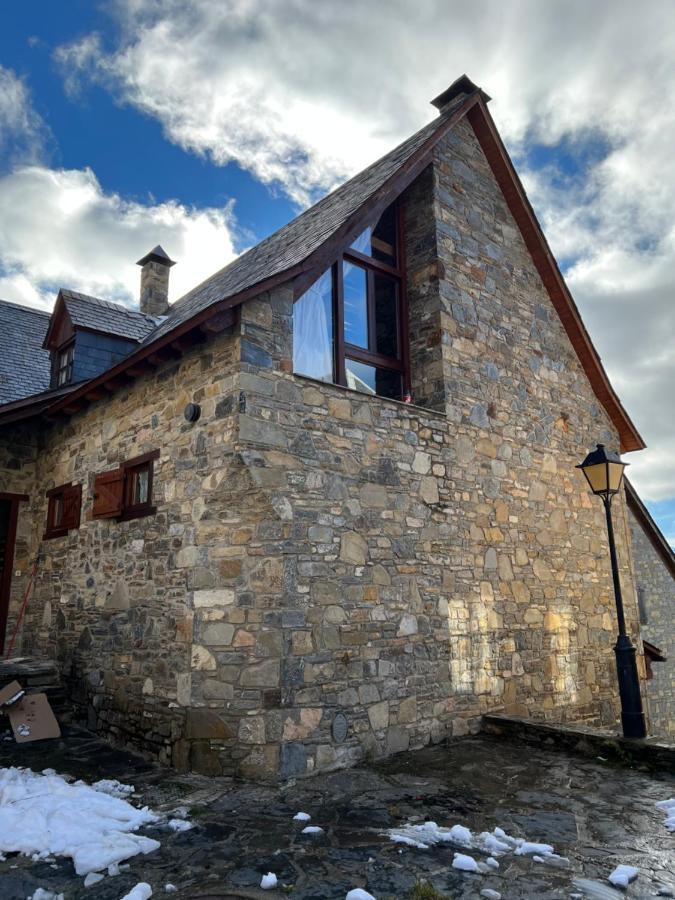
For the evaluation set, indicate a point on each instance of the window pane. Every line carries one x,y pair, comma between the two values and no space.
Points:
372,380
57,515
141,484
356,305
380,241
360,377
313,330
386,320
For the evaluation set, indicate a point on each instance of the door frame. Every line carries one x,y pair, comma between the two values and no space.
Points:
6,580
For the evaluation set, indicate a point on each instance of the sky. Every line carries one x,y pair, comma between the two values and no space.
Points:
204,125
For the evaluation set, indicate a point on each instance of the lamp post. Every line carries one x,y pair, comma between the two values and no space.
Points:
604,473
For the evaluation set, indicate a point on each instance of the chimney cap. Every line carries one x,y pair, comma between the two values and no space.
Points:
157,254
461,85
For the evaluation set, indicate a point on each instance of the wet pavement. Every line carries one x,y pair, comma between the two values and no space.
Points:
595,814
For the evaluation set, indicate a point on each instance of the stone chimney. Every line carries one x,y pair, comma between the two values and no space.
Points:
461,87
155,282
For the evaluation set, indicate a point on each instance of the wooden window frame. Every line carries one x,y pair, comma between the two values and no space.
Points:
57,368
52,530
145,462
342,350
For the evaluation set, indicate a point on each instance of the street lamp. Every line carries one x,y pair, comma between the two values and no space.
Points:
604,473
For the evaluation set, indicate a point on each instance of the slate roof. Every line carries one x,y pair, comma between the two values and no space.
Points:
294,242
24,364
112,318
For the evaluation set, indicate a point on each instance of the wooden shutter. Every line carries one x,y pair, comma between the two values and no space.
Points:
108,494
72,502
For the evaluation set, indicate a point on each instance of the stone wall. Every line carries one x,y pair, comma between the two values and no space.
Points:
657,585
113,601
442,564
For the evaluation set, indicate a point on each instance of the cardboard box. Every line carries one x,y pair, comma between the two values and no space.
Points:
32,719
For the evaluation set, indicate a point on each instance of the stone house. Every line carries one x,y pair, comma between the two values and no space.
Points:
326,505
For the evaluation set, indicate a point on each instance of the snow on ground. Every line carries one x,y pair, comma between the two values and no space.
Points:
302,817
269,881
464,863
142,891
490,894
42,894
668,806
44,814
623,875
359,894
312,829
496,842
179,824
109,786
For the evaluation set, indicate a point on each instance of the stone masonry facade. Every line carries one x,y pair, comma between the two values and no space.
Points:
657,587
320,553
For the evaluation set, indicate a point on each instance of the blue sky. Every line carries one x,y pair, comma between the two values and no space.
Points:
206,125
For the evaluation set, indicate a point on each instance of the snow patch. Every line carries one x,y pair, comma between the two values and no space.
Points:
359,894
527,848
142,891
42,894
490,894
668,806
269,881
301,817
464,863
109,786
93,878
623,875
45,814
179,824
170,888
312,829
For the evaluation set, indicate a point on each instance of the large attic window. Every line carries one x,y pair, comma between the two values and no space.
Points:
350,327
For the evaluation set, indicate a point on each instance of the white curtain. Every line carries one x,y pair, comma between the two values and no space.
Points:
313,330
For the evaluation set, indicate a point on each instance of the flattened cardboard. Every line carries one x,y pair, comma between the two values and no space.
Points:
10,693
33,720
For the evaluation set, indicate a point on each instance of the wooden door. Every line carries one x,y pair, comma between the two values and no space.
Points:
9,512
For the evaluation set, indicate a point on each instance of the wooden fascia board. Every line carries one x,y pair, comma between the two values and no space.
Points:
59,312
650,528
535,240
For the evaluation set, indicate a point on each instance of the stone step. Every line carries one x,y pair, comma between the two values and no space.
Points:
36,676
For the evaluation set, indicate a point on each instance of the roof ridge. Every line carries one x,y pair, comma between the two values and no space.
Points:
118,307
31,309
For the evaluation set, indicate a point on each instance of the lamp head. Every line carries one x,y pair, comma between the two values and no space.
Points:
603,469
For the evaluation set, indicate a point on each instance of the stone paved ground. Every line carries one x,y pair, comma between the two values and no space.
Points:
595,814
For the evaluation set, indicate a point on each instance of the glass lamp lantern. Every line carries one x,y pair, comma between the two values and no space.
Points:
604,471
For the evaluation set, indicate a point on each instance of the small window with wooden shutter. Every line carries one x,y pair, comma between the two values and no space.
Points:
108,494
63,510
126,492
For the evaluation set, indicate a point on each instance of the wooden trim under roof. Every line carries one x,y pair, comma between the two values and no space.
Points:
475,109
649,526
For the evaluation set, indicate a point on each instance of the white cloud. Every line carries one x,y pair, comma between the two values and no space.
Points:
303,94
58,228
22,131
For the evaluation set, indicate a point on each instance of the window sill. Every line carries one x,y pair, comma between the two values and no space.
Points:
55,533
137,513
372,397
